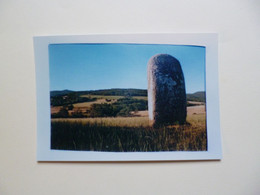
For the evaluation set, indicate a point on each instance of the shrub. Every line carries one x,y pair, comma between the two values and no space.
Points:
122,107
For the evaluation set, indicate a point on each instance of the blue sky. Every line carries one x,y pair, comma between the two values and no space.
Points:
104,66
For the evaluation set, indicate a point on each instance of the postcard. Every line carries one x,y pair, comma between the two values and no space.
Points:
132,97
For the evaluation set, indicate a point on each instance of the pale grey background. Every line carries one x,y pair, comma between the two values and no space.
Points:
237,23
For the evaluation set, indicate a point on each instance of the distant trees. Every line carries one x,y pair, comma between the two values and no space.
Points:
122,107
197,97
63,113
77,114
101,110
70,107
71,98
59,98
117,92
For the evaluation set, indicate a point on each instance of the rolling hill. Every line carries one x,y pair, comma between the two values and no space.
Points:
197,96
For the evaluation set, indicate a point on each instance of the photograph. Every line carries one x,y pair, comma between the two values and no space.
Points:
127,97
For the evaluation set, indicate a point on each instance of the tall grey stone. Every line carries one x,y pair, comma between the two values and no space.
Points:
166,91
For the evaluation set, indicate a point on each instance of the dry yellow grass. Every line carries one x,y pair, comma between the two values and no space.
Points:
140,97
128,134
198,120
88,104
111,121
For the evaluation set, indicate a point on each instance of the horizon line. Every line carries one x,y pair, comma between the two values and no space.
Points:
111,89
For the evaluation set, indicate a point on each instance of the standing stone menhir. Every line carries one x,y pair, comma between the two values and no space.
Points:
166,91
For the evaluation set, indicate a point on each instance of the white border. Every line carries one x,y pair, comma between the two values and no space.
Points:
209,40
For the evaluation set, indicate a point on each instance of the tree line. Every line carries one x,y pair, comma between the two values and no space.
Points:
103,92
122,107
71,98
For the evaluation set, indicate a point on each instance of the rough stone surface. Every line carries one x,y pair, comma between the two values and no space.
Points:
166,91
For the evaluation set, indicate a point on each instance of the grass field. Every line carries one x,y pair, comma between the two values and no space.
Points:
196,120
110,121
88,104
128,134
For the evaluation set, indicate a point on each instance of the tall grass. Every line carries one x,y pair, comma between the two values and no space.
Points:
113,136
109,121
